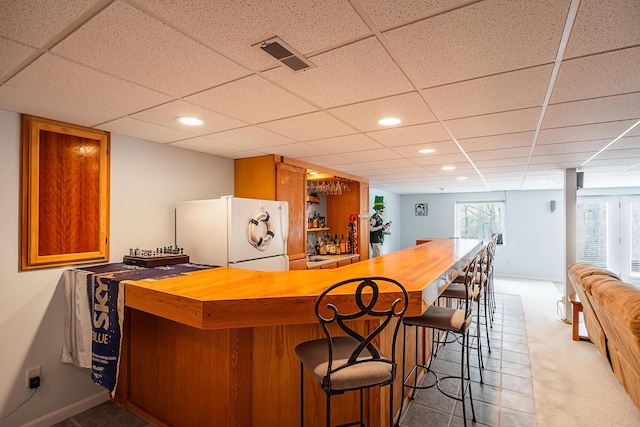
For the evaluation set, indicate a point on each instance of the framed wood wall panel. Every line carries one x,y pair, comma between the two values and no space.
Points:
64,217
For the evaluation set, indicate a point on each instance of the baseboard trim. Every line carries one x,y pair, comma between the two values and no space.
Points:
69,411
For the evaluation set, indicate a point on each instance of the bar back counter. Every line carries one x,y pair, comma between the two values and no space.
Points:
216,347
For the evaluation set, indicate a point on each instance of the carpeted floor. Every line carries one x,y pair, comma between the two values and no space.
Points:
573,385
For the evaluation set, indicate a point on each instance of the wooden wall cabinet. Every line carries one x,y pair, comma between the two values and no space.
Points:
268,178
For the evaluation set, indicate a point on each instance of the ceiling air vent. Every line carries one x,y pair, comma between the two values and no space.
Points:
285,54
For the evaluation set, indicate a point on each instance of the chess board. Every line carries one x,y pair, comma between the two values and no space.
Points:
155,261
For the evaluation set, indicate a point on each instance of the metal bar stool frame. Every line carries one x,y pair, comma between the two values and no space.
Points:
360,349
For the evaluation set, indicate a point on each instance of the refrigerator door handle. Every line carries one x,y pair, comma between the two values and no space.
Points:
284,226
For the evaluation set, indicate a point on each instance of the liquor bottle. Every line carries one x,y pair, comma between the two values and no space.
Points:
343,245
315,219
309,221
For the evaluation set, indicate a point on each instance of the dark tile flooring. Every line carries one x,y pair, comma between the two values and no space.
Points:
506,397
504,400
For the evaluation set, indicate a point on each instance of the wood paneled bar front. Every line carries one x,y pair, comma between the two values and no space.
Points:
216,347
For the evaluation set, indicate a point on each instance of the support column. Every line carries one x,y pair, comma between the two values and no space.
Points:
570,201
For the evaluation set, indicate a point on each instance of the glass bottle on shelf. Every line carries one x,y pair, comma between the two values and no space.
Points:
315,219
343,245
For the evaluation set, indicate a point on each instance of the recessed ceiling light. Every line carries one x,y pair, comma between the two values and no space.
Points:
448,168
427,151
389,121
191,121
461,178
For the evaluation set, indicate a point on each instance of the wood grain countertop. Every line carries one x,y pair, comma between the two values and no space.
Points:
224,298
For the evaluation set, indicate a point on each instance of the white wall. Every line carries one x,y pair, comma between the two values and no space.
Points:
147,179
534,236
392,202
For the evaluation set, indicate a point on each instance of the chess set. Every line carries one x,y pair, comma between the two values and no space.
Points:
168,255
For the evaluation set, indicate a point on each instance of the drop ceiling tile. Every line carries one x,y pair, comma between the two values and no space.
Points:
561,160
58,78
409,135
517,161
503,153
232,28
27,102
495,124
493,94
625,143
462,167
371,155
11,55
620,107
166,115
380,164
244,154
595,76
252,137
387,14
590,147
206,145
440,159
125,42
253,100
352,73
364,116
604,25
346,144
144,130
584,132
497,142
329,160
481,39
308,127
296,150
412,151
35,21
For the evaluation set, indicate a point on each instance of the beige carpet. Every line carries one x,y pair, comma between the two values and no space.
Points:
572,383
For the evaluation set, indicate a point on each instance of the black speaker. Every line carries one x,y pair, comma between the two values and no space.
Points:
580,180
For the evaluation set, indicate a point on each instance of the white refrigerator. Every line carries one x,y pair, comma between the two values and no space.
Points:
234,232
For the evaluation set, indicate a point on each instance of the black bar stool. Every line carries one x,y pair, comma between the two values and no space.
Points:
342,363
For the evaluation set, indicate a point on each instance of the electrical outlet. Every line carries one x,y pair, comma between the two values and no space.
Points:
32,373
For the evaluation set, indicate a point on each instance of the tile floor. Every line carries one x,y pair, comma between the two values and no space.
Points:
505,399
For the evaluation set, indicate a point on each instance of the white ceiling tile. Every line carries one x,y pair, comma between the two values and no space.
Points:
571,147
606,109
11,55
37,104
35,21
252,137
412,151
484,38
501,92
566,160
206,145
345,144
359,71
495,124
144,130
125,42
584,132
503,153
409,135
252,99
517,161
626,143
380,164
389,13
595,76
58,78
603,25
234,27
166,115
440,159
244,154
297,150
308,127
497,142
371,155
329,160
409,108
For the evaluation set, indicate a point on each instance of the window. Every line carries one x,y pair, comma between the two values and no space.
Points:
480,220
592,233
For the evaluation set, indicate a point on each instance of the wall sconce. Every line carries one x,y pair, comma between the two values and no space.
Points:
553,206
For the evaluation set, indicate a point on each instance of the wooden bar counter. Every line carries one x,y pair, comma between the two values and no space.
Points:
216,347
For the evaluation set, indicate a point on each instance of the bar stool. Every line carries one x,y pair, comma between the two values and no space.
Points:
348,362
448,320
456,291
